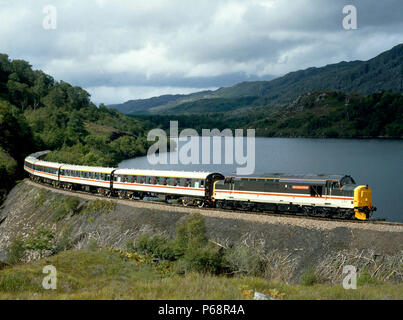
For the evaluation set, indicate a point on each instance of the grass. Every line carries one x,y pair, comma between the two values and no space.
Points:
104,274
99,206
42,196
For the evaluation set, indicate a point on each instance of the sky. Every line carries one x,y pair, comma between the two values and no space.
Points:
120,50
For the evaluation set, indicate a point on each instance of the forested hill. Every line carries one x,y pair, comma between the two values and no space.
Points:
383,72
38,113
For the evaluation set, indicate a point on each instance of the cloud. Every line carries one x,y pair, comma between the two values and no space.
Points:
125,49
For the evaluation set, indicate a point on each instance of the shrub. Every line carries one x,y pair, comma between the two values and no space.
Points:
40,241
16,251
159,246
101,206
365,278
246,260
309,277
191,233
64,207
92,245
201,259
41,198
64,242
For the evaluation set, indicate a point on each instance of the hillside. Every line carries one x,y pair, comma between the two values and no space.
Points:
383,72
319,114
209,254
332,114
39,113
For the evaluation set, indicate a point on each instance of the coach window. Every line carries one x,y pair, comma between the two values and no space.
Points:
197,184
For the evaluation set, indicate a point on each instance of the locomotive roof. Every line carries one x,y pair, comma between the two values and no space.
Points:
164,173
295,177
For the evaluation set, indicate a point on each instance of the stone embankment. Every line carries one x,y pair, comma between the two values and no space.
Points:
292,244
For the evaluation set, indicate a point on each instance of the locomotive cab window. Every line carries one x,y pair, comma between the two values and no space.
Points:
347,180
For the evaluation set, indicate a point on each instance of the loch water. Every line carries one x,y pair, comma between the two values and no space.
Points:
374,162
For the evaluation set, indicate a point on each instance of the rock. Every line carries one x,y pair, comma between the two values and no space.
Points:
260,296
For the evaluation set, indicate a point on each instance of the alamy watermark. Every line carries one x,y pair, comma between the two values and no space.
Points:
350,280
50,281
189,153
350,20
49,22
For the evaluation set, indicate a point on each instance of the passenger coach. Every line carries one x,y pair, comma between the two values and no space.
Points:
193,187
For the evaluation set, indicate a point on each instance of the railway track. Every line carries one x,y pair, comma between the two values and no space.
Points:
264,213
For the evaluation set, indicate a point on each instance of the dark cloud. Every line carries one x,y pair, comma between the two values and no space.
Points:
134,49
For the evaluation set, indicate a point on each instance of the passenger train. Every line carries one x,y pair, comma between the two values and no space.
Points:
331,196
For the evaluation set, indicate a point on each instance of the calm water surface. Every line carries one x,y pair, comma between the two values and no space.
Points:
378,163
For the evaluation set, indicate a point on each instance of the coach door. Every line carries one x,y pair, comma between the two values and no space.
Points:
210,184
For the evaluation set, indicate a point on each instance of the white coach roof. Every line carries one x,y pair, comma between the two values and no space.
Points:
47,164
163,173
86,168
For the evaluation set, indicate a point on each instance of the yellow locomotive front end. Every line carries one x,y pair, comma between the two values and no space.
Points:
363,202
